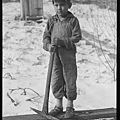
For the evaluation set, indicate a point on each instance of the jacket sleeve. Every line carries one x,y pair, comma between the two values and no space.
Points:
76,35
47,36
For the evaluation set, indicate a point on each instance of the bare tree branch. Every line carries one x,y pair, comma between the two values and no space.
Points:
24,90
12,100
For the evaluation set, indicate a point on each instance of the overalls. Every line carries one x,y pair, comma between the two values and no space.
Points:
64,73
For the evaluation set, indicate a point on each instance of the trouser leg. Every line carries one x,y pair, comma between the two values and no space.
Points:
70,76
68,60
57,81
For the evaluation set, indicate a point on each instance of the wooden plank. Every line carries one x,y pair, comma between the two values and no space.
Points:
39,7
41,11
31,7
34,18
36,7
80,115
34,10
93,114
24,8
24,117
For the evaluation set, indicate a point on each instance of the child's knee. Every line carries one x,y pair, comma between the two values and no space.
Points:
71,94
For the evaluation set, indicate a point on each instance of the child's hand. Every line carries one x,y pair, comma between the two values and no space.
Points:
56,41
52,48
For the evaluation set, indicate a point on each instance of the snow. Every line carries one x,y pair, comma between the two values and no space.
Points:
25,62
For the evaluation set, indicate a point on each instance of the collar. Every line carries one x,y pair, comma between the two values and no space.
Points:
69,15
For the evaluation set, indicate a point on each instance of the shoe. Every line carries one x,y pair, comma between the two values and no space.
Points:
57,110
69,112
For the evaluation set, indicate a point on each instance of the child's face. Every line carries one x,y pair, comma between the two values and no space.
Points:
61,8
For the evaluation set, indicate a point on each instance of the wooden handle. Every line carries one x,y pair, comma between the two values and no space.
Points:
47,90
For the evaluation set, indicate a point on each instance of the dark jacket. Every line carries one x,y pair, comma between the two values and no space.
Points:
67,30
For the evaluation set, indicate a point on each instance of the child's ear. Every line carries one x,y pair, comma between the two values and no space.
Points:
70,5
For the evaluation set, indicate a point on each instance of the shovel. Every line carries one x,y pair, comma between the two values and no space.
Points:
44,111
47,90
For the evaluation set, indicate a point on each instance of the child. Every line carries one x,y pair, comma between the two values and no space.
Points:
63,31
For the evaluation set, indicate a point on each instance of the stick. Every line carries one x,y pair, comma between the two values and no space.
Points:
47,90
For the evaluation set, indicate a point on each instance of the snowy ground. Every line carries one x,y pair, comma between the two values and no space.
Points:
25,62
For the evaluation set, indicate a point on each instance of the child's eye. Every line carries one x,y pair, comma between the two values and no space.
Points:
56,5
